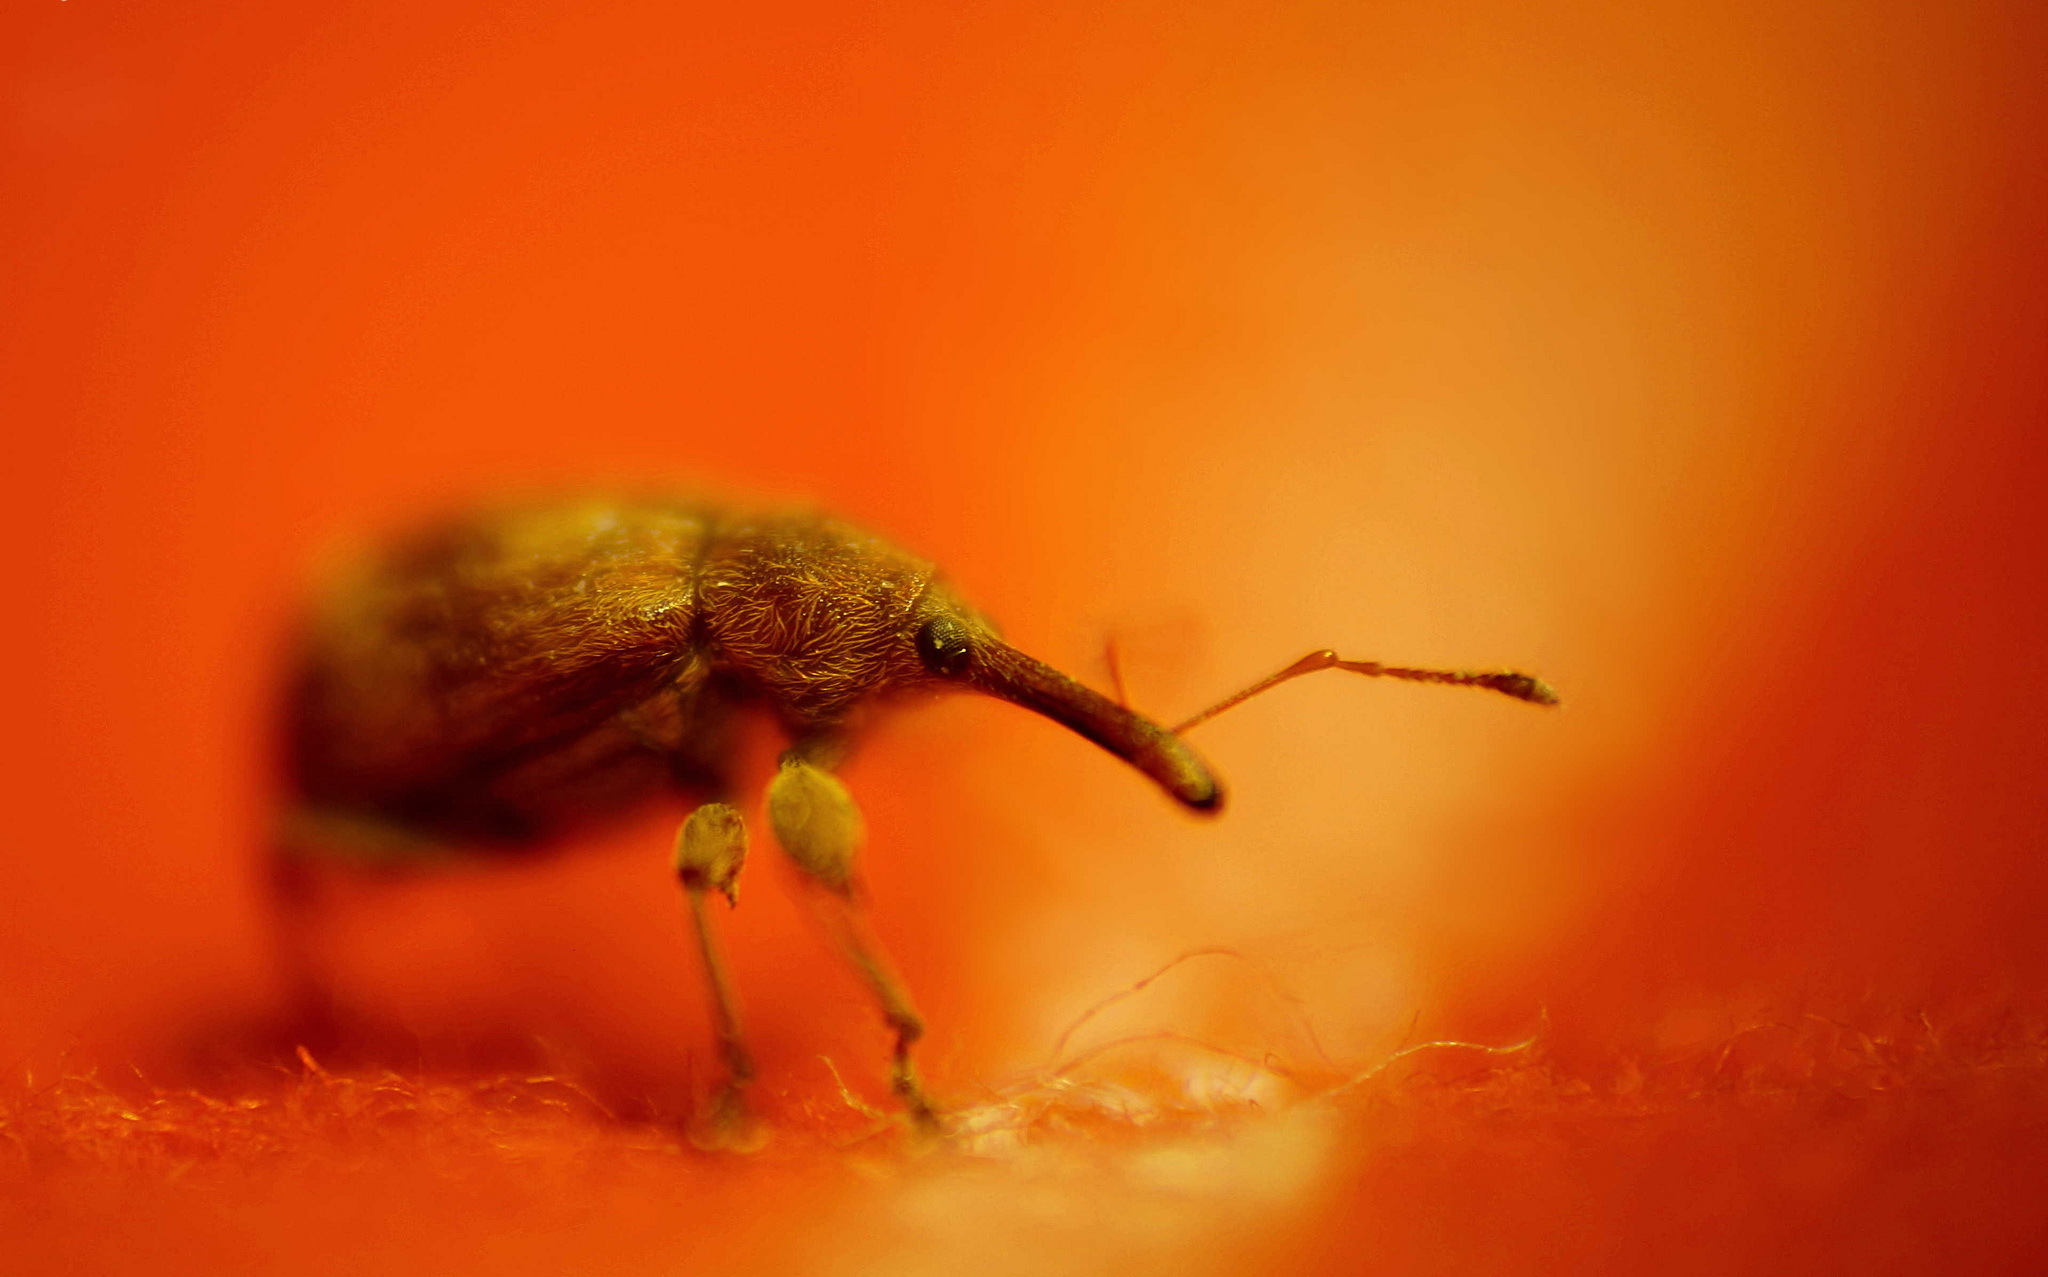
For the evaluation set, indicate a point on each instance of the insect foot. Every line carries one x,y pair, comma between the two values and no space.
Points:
820,829
711,848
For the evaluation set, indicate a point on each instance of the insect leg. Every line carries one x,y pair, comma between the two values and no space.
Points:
309,849
1513,683
711,847
819,827
311,1019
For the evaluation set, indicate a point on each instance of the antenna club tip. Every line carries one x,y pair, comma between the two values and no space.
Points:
1523,687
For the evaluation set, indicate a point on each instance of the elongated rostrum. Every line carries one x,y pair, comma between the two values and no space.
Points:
499,679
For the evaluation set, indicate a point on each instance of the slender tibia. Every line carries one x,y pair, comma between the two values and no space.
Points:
819,826
710,850
846,923
312,1018
1526,687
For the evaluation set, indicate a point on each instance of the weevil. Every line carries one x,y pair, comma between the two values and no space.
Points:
498,680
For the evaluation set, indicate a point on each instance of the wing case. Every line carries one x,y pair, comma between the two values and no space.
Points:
502,674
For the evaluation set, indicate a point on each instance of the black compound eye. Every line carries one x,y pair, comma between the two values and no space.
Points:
945,646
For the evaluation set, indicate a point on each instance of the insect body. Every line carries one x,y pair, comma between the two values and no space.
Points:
500,679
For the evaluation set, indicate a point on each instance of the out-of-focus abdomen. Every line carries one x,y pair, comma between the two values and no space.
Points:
503,676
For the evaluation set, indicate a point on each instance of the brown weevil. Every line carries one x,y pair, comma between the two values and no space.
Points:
498,680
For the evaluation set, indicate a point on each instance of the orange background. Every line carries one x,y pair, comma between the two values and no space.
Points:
1692,358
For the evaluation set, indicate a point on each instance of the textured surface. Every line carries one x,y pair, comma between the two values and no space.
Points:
1805,1146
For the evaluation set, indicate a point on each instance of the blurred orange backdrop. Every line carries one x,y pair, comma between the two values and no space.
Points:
1690,356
